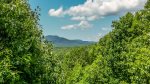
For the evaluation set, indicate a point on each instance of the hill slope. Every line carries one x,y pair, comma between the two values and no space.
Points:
63,42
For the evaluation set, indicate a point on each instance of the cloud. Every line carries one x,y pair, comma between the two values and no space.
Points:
95,9
57,13
78,18
82,18
82,24
74,26
91,18
98,8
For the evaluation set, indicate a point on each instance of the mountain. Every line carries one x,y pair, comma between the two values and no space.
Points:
63,42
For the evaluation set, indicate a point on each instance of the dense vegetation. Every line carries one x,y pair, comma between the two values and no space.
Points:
120,57
24,55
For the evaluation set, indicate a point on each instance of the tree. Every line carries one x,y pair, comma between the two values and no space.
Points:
24,55
147,5
120,57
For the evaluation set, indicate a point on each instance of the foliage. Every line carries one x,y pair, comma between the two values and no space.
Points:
120,57
24,55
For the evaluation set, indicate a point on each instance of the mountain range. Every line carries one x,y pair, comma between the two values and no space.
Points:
64,42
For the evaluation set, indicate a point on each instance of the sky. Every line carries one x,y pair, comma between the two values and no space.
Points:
86,20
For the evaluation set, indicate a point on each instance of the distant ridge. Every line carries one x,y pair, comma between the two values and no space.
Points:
63,42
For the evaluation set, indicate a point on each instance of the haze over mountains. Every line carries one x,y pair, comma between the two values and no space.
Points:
63,42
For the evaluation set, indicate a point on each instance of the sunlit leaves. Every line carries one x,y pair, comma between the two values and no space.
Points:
25,56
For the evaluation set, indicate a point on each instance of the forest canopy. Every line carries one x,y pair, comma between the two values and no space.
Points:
120,57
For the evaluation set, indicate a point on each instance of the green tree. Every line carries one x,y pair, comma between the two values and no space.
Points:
120,57
24,55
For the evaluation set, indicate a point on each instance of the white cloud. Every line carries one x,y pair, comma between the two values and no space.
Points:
78,18
95,9
91,18
82,18
57,13
69,27
82,24
98,8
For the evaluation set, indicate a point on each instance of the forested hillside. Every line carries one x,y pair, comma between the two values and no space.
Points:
120,57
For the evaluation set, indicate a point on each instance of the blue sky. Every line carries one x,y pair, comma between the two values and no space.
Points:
82,19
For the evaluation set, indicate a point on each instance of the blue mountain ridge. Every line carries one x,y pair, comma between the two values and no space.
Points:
63,42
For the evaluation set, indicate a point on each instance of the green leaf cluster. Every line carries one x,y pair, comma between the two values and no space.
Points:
25,57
